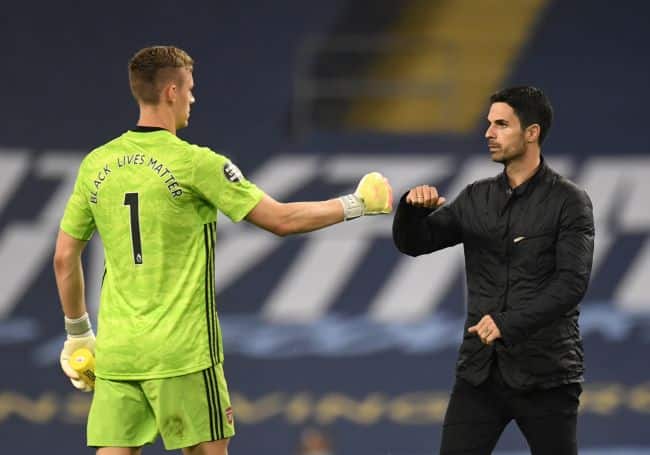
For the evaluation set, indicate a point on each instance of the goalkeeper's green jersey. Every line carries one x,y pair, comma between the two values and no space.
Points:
153,199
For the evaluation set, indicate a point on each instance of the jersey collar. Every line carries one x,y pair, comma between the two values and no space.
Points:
147,129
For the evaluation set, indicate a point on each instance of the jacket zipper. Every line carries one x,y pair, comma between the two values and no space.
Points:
508,253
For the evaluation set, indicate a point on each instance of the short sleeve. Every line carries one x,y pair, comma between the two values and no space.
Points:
78,219
219,181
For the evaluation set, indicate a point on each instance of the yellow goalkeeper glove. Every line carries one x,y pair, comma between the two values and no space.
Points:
80,335
373,196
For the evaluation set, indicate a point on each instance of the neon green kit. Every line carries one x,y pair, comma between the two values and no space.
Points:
153,199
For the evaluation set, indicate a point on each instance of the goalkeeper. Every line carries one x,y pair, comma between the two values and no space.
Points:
153,198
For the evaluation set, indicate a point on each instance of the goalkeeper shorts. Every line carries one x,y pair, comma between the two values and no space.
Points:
185,410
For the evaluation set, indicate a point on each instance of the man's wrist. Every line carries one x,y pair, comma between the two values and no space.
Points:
353,206
77,326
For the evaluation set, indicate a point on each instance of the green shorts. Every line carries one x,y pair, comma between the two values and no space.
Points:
185,410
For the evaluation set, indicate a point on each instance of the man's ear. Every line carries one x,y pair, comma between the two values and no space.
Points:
532,132
169,92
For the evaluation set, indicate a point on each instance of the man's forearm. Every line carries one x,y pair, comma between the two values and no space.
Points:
70,284
310,216
419,230
562,295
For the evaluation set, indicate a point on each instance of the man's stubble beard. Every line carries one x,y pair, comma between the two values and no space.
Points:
505,157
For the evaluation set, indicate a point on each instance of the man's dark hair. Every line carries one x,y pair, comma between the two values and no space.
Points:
530,105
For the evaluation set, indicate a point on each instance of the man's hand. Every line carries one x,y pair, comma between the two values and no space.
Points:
373,196
376,194
486,329
425,196
80,335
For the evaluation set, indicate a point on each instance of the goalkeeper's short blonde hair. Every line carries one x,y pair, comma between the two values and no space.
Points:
153,67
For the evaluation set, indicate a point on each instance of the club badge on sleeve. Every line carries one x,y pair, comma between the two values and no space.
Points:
232,172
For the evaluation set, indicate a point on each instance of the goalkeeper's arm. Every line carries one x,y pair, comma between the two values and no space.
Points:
70,284
373,196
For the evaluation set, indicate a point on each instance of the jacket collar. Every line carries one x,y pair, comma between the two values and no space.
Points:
532,182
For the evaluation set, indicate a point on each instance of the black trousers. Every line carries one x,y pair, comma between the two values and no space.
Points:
476,417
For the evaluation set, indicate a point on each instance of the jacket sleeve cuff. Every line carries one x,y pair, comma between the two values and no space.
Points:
500,321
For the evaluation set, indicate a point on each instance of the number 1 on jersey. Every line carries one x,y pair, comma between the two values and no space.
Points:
131,199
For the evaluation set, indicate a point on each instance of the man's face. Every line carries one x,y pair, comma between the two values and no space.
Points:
504,134
184,98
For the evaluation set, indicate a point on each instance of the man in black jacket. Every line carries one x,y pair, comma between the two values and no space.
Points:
528,236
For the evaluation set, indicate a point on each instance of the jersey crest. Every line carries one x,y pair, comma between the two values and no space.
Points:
232,172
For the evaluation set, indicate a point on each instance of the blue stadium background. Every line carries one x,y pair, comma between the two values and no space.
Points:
332,331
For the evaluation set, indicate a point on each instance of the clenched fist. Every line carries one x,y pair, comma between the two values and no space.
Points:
425,196
373,196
